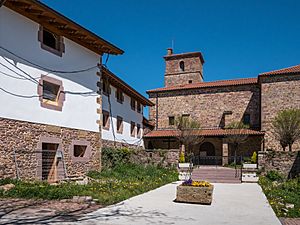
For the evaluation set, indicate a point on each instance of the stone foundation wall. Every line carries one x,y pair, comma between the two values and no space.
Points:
163,157
25,139
287,163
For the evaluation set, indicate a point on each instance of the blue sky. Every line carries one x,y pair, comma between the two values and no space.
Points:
237,38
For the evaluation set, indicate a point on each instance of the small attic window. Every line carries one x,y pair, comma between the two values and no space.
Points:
181,65
51,42
190,81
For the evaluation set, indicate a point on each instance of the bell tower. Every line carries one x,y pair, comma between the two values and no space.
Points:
185,68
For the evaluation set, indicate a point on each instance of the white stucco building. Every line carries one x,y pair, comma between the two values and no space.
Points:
51,102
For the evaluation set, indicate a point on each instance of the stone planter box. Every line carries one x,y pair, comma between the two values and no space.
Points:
198,195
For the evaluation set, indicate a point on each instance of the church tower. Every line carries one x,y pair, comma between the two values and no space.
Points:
185,68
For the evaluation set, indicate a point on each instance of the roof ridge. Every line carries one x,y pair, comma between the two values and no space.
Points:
198,84
282,70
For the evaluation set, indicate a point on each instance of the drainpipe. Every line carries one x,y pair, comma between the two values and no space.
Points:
156,113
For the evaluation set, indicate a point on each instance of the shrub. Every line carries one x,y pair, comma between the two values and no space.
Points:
114,156
274,176
254,157
181,157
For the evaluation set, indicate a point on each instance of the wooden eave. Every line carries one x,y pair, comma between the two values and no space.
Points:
61,25
118,83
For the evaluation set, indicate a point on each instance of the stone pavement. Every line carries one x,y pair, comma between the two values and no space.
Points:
233,204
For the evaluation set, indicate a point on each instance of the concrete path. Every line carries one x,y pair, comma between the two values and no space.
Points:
233,204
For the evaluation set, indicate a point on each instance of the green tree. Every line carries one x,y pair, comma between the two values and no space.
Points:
287,127
189,132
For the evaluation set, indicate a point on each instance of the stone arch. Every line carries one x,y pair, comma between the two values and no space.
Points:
207,147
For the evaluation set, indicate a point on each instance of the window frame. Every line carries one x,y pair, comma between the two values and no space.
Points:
105,124
171,117
138,130
105,87
132,100
182,66
138,107
119,96
120,127
88,151
60,46
132,129
46,103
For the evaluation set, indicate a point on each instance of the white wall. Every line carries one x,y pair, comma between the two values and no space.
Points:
123,110
20,35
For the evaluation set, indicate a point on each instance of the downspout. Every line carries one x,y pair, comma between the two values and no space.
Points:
99,73
156,113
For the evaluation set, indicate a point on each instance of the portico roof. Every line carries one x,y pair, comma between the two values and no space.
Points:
205,132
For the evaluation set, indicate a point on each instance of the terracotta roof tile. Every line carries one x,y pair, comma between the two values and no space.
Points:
288,70
204,132
243,81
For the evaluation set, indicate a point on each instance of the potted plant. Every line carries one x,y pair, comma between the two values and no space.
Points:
253,162
199,192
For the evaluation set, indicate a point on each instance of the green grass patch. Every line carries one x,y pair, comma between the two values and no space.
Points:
112,185
280,193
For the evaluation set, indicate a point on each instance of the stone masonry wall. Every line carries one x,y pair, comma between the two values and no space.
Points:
277,93
112,144
25,139
165,158
183,78
192,71
287,163
207,105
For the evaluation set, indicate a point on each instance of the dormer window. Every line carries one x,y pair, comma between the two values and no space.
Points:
51,41
181,65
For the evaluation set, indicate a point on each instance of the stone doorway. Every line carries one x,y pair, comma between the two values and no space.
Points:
49,161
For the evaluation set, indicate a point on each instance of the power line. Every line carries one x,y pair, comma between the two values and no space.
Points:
47,69
31,78
18,95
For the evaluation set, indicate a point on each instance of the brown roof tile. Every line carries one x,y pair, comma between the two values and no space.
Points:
288,70
204,132
243,81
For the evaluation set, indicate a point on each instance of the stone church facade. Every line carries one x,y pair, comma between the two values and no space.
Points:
253,101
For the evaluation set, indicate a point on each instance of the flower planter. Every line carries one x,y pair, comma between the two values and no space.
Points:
191,194
249,166
183,165
184,171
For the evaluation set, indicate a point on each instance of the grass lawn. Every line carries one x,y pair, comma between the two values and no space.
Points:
281,193
110,186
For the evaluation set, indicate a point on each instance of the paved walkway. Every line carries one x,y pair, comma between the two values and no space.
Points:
233,204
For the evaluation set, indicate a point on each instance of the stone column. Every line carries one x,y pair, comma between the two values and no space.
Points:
224,153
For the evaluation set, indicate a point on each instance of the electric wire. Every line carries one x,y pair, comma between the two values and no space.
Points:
48,69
